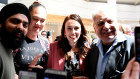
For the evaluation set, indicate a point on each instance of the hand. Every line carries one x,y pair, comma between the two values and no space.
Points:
132,70
33,63
16,76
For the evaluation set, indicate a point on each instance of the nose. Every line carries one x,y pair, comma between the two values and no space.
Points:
38,22
73,31
20,26
106,26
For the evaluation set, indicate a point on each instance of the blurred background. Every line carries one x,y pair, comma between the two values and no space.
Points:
127,11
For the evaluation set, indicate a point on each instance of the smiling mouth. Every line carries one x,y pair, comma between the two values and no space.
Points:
72,37
108,32
18,35
37,26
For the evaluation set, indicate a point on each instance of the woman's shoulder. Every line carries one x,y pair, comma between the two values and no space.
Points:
54,44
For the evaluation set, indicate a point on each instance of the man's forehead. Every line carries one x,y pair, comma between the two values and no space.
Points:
104,16
19,16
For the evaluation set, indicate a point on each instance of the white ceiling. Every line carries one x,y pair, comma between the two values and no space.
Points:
130,2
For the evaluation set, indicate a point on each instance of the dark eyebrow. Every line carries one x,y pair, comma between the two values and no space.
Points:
16,20
26,22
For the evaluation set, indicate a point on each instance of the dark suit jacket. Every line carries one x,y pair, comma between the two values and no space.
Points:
116,63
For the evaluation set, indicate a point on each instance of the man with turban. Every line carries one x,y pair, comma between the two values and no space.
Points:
14,21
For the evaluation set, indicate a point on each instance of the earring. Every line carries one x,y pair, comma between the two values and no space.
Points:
65,36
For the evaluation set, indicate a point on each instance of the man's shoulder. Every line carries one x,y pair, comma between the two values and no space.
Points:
2,49
95,41
93,47
123,37
129,38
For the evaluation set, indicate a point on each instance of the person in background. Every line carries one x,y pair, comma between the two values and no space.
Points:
49,36
57,37
34,44
44,34
110,54
14,21
132,70
126,29
68,53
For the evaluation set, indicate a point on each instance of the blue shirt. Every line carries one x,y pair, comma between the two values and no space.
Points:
103,58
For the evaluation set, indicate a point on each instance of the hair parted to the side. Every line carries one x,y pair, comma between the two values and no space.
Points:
63,41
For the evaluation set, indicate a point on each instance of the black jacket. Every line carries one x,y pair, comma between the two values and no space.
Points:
116,63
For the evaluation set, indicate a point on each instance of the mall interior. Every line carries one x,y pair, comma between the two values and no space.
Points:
127,11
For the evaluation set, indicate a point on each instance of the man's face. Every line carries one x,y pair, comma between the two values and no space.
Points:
14,30
105,27
44,34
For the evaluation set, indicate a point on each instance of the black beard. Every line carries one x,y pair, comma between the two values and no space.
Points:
10,40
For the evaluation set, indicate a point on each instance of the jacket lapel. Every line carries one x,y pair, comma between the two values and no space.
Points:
92,59
114,58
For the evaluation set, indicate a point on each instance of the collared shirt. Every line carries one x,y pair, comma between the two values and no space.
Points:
103,58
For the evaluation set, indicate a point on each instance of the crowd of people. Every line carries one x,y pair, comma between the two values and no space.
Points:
25,47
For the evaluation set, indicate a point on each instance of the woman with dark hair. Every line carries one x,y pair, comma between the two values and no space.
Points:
69,51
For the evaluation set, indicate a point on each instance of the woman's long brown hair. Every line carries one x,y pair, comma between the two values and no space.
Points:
63,41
